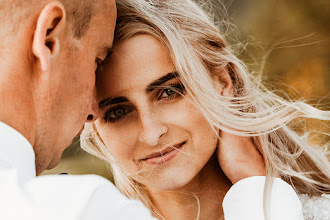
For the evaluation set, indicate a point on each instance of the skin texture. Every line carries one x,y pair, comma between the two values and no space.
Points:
51,91
146,122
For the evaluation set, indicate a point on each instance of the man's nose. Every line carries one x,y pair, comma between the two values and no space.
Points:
94,110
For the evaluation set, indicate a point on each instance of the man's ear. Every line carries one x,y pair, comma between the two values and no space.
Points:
223,82
46,40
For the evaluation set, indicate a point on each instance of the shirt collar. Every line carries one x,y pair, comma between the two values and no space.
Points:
16,152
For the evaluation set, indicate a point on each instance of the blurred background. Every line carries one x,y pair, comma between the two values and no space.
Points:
287,40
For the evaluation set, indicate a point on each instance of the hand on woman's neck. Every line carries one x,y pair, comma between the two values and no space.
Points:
203,194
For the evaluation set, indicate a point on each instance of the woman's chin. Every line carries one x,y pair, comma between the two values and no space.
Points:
169,182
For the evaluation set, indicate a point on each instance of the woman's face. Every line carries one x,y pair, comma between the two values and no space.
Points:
156,135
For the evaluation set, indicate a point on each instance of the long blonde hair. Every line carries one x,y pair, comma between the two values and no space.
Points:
199,52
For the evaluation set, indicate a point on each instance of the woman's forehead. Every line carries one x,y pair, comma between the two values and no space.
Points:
134,64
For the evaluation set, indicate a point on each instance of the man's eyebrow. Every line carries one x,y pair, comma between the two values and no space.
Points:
112,101
161,81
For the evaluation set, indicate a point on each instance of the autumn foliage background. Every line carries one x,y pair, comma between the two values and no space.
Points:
288,40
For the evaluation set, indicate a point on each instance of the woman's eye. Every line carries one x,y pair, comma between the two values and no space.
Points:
119,112
177,90
116,114
167,93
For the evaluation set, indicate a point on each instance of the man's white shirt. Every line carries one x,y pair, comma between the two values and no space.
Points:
91,197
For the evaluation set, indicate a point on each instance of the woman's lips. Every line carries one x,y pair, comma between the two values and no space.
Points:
164,155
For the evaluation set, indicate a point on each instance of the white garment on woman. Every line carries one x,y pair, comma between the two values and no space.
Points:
68,197
244,200
316,207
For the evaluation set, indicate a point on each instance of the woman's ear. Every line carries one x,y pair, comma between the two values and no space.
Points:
223,82
46,40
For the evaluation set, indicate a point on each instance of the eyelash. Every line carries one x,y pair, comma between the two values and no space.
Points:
177,88
109,112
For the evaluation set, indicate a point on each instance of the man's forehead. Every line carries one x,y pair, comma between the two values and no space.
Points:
108,9
103,28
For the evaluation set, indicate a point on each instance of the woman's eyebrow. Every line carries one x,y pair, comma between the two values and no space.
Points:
150,88
112,101
161,81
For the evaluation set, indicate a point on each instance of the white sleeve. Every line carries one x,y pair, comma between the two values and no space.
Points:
108,203
244,200
83,197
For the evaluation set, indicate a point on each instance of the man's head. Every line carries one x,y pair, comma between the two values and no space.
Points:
59,45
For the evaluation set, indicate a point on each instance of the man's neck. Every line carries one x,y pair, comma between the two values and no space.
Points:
203,194
16,98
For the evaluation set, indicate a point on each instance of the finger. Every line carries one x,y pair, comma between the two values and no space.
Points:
239,158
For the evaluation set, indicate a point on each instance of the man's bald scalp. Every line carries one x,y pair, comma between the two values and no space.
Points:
13,14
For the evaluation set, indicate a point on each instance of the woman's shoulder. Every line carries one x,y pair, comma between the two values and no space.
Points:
315,207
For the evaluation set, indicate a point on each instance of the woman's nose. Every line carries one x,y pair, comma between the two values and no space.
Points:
152,129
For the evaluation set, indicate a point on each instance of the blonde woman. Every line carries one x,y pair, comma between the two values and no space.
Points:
188,132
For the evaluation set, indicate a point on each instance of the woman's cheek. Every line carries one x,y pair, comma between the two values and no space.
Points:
194,122
176,113
118,139
187,115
